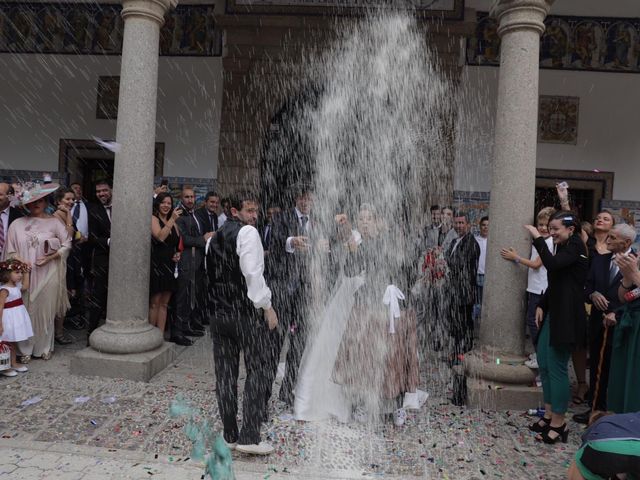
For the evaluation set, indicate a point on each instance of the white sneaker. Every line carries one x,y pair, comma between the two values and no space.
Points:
21,369
399,417
532,362
8,373
262,448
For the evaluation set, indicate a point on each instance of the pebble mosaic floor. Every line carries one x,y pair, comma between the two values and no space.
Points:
439,441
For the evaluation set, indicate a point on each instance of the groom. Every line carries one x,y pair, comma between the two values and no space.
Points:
288,273
235,265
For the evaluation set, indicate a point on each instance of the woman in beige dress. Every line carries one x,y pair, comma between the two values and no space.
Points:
43,241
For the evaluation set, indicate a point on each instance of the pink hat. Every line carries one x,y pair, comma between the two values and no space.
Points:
29,192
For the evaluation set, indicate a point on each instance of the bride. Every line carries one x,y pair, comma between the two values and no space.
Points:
363,355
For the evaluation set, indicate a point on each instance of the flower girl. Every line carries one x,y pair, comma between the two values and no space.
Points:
15,324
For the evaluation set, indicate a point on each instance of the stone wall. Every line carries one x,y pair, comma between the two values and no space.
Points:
262,68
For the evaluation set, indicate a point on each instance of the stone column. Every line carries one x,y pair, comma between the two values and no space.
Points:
499,355
127,330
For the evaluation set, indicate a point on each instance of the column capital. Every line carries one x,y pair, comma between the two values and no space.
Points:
520,14
149,9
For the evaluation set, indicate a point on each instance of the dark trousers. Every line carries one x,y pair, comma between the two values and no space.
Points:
462,329
297,342
292,314
189,303
231,334
532,303
97,297
76,271
596,339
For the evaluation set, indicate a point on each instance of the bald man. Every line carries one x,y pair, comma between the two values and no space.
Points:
7,213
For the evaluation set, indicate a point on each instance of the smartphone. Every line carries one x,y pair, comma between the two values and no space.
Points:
164,182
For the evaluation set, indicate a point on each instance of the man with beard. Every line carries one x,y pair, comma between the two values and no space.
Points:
462,259
189,301
99,242
243,317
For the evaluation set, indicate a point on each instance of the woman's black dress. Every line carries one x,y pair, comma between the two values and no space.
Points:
162,264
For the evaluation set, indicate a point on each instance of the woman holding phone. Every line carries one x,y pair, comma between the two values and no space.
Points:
560,317
165,254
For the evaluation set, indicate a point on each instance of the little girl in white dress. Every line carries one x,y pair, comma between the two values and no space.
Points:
15,324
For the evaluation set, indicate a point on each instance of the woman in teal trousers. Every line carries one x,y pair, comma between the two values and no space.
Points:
560,317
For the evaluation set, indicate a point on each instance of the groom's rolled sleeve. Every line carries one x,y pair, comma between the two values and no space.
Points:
251,253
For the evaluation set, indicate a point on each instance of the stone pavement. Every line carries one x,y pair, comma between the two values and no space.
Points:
95,428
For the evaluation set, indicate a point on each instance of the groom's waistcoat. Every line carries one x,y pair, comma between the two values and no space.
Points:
227,283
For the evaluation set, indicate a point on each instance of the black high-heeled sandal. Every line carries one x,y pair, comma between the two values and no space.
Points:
541,425
562,431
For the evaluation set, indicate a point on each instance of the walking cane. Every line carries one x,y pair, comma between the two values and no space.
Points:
596,393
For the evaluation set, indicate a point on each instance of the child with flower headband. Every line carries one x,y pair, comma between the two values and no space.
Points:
15,324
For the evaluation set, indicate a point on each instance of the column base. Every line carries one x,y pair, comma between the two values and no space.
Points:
141,338
497,396
140,367
499,382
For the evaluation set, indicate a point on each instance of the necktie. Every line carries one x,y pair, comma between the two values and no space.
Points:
212,222
2,214
613,270
76,214
267,232
108,209
304,219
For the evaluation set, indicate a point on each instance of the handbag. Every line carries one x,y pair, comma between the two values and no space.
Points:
51,246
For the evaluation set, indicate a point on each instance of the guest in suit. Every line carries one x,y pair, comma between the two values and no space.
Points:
462,259
267,227
78,264
7,213
287,270
207,215
189,305
560,317
601,290
99,242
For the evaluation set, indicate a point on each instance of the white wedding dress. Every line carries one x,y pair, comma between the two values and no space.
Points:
317,397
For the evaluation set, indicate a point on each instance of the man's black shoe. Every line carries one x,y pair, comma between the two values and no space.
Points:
582,417
194,333
181,340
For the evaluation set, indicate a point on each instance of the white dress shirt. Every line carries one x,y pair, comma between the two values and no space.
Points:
482,242
82,225
249,249
288,245
221,219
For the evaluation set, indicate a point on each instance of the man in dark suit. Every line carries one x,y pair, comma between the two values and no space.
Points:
208,219
189,300
99,242
287,272
78,262
267,227
207,215
462,259
7,213
601,290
